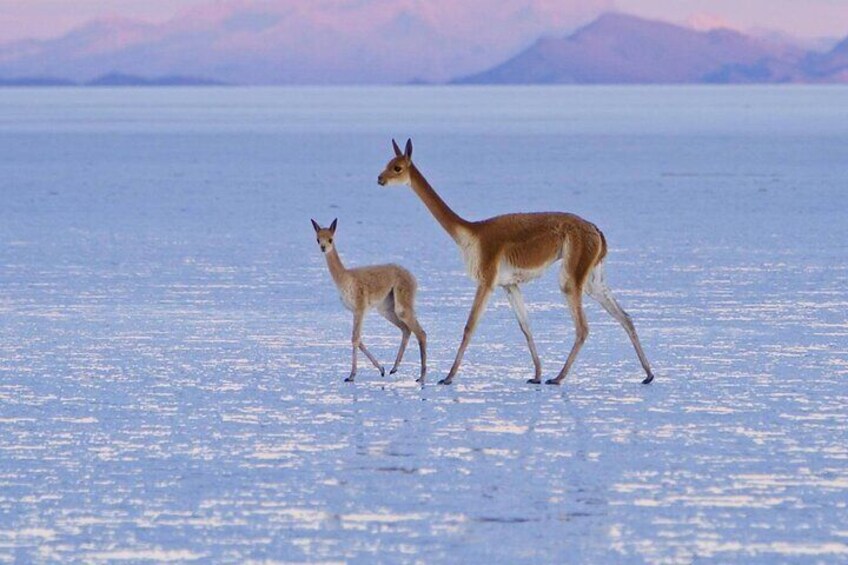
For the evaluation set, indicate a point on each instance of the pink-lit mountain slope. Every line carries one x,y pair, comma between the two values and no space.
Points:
618,48
296,41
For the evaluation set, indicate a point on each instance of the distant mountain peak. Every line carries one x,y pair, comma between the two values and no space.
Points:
620,20
708,22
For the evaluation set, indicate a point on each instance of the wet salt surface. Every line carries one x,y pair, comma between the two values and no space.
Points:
172,347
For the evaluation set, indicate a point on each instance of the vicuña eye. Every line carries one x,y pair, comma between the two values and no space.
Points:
331,240
397,169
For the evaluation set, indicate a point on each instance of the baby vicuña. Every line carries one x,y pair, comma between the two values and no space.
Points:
390,289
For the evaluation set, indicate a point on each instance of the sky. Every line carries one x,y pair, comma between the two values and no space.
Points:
802,18
21,19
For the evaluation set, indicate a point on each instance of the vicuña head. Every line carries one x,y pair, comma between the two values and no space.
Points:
397,171
325,235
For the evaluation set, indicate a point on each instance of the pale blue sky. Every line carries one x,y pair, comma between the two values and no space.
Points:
804,18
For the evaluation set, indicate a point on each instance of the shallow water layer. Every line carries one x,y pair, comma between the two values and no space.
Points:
172,348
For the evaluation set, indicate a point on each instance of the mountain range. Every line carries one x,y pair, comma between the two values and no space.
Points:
400,42
304,42
618,48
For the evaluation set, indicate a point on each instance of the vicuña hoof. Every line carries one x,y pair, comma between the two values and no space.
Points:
552,382
648,380
393,371
382,372
349,379
445,381
534,381
420,380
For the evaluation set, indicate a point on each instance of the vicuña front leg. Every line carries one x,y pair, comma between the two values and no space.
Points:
517,303
356,342
480,299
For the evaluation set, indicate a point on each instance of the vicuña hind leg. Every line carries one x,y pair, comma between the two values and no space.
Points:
405,333
572,277
405,311
597,288
372,359
581,329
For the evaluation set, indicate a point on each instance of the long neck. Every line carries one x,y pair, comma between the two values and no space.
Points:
450,220
334,262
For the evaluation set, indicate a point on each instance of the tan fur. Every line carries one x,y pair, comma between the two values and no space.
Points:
390,289
512,249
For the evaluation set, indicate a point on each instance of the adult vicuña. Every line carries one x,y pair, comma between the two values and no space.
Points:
388,288
512,249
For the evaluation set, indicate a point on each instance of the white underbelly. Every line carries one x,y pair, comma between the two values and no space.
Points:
510,275
507,274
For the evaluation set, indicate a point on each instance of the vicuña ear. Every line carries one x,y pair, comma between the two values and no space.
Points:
408,152
316,226
333,226
396,148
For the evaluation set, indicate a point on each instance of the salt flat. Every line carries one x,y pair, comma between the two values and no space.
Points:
172,348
